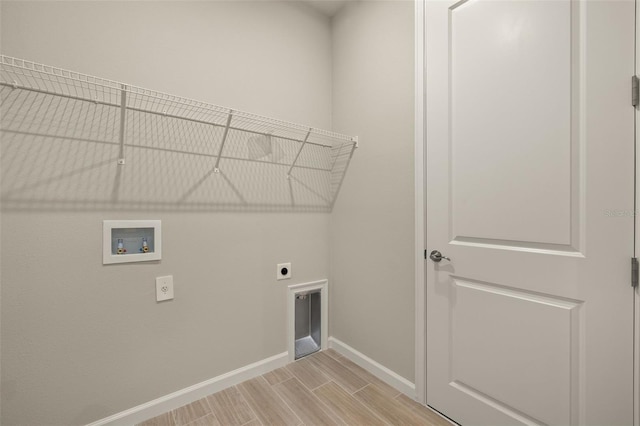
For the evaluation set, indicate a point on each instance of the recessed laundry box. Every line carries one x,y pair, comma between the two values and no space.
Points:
308,312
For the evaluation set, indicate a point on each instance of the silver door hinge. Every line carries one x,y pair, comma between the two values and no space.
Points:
635,91
634,272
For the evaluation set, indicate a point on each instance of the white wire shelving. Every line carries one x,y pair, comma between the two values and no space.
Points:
72,139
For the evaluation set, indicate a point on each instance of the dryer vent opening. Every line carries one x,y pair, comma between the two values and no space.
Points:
307,323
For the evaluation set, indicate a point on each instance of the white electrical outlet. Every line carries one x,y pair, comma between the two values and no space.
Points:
284,271
164,288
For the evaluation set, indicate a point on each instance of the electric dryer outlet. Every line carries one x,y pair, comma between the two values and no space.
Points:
283,271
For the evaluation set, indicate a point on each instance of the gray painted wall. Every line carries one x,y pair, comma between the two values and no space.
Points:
372,271
81,341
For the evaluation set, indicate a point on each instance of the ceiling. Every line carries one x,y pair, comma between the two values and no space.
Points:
327,7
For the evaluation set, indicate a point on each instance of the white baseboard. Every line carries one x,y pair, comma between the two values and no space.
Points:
193,393
380,371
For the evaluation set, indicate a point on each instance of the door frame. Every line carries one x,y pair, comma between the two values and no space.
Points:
636,304
420,216
420,206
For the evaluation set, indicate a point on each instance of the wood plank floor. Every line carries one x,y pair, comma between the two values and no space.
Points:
321,389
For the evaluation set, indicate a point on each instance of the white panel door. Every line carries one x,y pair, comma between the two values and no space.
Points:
530,193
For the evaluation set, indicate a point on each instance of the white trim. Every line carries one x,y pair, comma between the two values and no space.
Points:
193,393
420,211
380,371
636,363
323,286
636,301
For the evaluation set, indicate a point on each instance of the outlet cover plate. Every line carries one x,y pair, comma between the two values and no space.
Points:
284,271
164,288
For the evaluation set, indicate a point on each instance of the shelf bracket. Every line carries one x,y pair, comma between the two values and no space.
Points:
353,149
224,139
306,138
123,116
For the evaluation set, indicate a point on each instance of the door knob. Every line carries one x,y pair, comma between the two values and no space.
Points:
436,256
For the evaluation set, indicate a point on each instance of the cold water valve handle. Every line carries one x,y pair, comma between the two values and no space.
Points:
120,247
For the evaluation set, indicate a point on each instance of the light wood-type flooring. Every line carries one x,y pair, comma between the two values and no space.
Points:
321,389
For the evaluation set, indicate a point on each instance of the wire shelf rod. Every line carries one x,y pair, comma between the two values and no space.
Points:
146,111
239,129
353,149
268,122
153,148
123,117
61,95
224,157
22,67
224,139
254,118
299,151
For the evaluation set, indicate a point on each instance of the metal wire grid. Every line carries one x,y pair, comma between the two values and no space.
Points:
74,127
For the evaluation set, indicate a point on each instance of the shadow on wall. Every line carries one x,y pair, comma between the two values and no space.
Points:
61,145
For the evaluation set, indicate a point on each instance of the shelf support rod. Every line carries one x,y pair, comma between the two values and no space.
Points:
306,138
224,139
344,172
123,116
